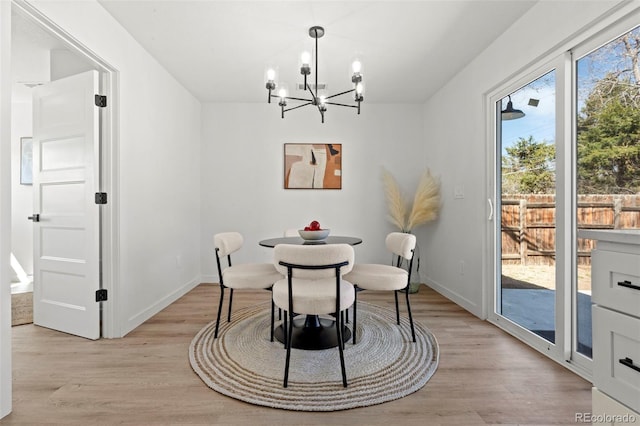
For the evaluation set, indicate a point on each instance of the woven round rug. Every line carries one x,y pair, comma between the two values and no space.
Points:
382,366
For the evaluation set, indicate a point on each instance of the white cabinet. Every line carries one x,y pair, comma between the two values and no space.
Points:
615,286
616,355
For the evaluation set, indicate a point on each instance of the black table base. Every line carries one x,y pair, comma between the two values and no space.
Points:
313,333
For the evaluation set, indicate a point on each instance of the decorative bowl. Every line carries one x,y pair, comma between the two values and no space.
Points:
314,235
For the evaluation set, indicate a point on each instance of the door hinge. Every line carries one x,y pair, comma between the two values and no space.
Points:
101,295
101,101
101,198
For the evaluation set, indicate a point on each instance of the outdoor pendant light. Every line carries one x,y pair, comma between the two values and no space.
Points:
509,113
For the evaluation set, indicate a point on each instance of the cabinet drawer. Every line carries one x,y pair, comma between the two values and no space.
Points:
615,281
616,355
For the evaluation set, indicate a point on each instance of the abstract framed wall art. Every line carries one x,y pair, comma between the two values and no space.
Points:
312,166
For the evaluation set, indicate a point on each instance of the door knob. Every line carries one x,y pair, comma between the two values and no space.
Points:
35,217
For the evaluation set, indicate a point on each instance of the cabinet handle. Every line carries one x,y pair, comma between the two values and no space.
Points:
629,363
628,284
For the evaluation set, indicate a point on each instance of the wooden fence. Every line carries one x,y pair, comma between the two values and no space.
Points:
529,230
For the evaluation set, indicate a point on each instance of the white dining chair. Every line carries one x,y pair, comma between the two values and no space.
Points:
313,285
291,232
243,276
387,277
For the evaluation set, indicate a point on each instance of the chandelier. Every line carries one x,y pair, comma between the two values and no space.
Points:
318,100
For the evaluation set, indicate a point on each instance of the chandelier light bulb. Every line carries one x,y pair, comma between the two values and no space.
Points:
322,104
282,92
305,58
271,74
359,88
356,66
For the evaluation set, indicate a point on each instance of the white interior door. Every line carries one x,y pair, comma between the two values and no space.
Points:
65,180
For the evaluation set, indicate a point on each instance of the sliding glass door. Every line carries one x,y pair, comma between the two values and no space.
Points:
566,156
527,279
608,154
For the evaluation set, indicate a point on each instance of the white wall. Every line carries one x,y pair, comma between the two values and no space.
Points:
65,63
242,174
456,143
157,160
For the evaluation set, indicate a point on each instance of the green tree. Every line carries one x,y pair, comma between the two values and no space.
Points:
609,121
529,167
609,138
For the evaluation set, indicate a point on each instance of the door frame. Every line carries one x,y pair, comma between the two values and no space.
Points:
562,315
108,175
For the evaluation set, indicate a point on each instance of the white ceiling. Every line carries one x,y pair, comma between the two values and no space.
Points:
219,50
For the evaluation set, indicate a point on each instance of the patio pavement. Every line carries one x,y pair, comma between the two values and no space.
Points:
533,309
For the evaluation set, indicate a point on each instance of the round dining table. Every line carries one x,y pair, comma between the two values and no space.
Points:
312,332
272,242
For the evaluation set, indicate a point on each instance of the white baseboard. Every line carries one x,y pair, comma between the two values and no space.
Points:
139,318
455,298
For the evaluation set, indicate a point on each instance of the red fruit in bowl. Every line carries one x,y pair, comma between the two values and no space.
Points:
307,228
315,225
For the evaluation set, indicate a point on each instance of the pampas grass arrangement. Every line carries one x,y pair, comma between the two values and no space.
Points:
396,203
426,202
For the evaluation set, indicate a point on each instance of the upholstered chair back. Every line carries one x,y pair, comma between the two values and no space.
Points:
227,242
401,244
313,255
291,232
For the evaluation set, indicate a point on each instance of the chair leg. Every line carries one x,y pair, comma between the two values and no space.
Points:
346,314
285,329
286,364
342,327
413,331
230,302
395,293
340,345
215,336
273,308
355,314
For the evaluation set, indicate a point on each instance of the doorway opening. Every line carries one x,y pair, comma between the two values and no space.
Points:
42,53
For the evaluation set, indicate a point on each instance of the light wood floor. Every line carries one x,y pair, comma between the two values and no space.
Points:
484,377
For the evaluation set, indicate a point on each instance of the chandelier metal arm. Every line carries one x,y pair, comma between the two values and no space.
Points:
295,99
340,94
313,95
344,105
298,106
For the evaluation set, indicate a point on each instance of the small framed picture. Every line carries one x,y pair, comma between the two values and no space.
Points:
312,166
26,161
